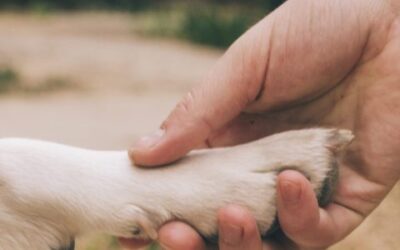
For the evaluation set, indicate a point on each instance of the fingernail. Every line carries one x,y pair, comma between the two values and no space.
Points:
150,140
290,193
231,234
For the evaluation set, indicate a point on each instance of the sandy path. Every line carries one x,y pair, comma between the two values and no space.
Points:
131,83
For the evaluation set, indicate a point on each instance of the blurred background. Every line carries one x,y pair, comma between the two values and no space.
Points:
100,73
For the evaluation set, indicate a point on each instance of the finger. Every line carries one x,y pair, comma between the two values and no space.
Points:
238,229
179,236
132,244
303,221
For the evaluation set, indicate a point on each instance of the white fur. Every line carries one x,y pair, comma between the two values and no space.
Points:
50,193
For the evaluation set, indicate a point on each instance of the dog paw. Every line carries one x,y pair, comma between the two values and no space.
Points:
101,190
195,188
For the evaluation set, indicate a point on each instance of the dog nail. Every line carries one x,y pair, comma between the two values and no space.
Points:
290,193
231,234
150,140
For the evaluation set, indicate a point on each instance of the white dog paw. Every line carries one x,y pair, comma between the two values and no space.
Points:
195,188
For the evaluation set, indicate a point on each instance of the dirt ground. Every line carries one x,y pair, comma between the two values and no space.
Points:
123,87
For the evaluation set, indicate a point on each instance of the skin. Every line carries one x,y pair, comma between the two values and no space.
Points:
309,63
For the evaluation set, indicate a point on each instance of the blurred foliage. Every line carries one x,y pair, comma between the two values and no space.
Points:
264,4
216,25
11,82
211,22
119,4
8,79
75,4
220,22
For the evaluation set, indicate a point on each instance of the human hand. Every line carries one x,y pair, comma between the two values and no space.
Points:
309,63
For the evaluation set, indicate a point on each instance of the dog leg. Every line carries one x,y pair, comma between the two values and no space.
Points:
50,193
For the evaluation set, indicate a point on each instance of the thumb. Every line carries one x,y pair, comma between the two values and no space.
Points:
227,89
